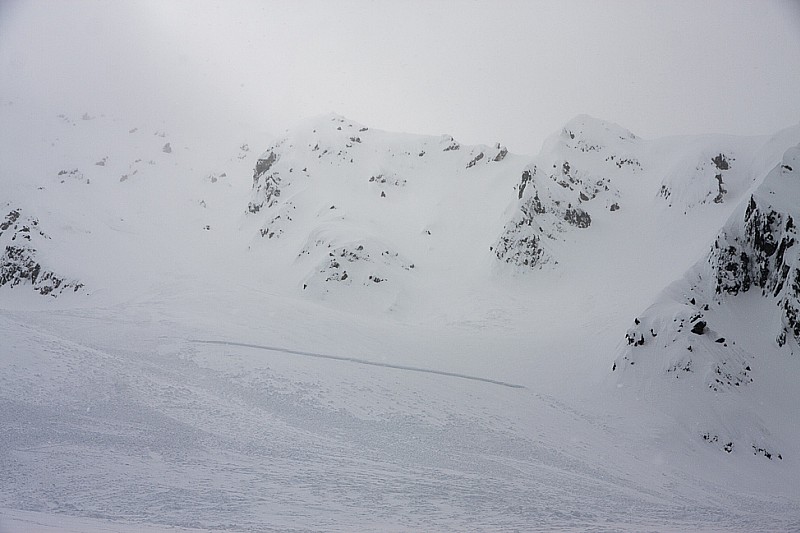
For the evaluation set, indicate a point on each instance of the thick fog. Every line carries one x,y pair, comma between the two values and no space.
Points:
488,71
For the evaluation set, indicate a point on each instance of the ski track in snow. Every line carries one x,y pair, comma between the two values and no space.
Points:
361,362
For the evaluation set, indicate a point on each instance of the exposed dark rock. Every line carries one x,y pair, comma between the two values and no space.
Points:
264,164
452,144
517,248
475,160
720,189
10,219
526,177
761,254
19,266
266,187
721,162
699,327
757,450
578,217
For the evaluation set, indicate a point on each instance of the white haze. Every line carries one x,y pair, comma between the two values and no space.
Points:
482,71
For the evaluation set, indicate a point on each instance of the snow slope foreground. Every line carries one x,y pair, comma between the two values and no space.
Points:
117,414
343,334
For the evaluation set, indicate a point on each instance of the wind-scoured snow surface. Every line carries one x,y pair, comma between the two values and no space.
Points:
204,363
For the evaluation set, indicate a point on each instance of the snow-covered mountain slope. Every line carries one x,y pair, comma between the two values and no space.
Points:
358,218
111,201
370,220
715,334
332,336
349,210
593,168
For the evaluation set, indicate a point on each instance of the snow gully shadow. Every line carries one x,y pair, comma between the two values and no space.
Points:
360,362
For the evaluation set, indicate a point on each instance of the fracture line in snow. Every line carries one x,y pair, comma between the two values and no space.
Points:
360,362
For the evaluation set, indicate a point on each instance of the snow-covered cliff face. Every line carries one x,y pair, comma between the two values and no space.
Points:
761,250
577,173
714,331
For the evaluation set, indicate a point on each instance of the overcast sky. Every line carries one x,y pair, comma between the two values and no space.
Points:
491,71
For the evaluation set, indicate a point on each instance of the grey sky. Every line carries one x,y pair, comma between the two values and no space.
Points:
482,71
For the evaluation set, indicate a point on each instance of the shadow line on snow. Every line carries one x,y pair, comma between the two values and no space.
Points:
360,362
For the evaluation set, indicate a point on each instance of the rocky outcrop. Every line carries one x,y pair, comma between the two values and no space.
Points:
266,184
19,265
675,339
556,191
760,251
365,262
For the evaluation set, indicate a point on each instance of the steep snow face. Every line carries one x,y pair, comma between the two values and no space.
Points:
361,211
717,169
709,334
577,173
